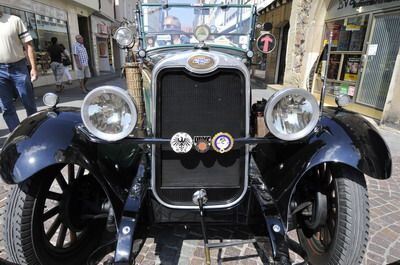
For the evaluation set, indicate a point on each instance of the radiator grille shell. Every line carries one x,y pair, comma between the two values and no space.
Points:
200,105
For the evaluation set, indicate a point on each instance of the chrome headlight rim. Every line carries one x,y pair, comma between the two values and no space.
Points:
127,41
116,91
276,98
50,99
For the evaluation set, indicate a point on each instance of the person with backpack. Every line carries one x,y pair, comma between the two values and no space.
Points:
55,51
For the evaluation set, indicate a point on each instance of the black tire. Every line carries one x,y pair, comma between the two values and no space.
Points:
25,236
350,234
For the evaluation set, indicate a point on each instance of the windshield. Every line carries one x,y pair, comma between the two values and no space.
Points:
175,23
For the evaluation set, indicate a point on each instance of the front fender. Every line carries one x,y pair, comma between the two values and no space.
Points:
39,141
341,137
49,139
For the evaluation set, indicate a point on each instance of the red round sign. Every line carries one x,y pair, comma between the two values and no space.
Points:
266,43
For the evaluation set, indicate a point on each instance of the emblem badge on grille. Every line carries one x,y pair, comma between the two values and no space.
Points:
222,142
181,142
201,62
202,143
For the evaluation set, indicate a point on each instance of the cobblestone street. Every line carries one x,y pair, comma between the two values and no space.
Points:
183,245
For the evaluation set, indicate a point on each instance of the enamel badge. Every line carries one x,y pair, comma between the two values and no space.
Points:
222,142
202,143
181,142
201,62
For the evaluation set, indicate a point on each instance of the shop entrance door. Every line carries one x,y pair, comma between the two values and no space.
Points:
385,38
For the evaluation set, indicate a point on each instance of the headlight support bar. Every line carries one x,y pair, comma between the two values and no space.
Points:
165,141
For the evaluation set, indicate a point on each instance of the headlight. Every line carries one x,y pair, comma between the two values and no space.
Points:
124,36
291,114
109,113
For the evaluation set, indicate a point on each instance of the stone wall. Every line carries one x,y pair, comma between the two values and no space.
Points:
305,40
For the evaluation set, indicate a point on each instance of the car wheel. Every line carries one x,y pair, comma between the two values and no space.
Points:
342,238
48,220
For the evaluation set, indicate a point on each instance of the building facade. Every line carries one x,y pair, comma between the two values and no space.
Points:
365,48
93,19
364,62
124,10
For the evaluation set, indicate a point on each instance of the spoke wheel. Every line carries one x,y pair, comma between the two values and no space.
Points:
342,238
48,218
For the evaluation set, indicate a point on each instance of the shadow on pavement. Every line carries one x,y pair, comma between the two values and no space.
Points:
178,244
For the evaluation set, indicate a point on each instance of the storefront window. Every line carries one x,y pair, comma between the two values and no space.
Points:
48,27
348,37
42,29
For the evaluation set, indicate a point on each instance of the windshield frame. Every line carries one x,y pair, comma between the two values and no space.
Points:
250,34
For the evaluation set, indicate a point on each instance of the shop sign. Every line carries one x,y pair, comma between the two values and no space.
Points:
49,11
102,29
343,8
21,4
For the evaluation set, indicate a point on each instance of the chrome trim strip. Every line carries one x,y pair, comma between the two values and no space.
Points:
179,61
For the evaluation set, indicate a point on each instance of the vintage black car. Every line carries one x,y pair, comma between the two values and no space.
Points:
185,145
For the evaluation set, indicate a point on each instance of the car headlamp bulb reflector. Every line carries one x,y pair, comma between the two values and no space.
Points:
291,114
109,113
124,36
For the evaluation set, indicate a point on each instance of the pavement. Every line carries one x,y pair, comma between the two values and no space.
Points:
183,245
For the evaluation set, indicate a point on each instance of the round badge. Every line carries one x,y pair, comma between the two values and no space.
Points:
202,32
202,143
181,142
222,142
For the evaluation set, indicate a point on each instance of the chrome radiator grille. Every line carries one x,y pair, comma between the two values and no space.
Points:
200,105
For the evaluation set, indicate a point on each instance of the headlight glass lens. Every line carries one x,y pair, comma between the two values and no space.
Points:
291,114
109,113
124,36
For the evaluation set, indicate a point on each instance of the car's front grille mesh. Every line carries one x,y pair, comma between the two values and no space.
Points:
200,106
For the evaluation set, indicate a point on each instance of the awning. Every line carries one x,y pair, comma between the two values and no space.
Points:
261,5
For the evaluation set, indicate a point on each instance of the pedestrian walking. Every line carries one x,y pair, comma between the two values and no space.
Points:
66,61
55,51
14,74
82,63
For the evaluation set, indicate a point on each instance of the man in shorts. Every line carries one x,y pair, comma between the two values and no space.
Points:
14,75
82,63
